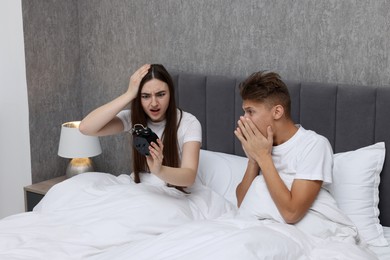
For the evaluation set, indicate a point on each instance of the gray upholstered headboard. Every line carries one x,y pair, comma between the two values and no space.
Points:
349,116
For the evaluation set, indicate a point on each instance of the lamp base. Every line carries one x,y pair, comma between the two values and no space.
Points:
79,165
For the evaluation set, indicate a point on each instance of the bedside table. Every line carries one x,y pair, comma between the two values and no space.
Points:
35,192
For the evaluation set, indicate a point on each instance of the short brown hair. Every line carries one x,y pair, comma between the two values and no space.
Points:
266,87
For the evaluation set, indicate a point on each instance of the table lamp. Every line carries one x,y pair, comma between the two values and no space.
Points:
78,147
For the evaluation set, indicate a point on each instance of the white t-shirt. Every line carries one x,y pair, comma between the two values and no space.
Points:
307,155
189,128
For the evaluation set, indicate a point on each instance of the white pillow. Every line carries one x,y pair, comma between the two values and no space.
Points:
355,188
221,172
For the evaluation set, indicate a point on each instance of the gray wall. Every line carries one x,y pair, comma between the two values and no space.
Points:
88,49
53,79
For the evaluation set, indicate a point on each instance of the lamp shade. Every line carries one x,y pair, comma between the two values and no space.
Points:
74,144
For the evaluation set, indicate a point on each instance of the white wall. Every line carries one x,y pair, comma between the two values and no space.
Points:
15,166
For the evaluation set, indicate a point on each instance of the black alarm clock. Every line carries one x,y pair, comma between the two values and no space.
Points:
142,137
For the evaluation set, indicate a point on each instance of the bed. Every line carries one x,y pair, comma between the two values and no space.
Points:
102,216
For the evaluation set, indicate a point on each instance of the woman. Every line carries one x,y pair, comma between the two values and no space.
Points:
175,156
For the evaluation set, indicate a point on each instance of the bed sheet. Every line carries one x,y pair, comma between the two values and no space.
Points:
383,252
234,238
99,216
91,212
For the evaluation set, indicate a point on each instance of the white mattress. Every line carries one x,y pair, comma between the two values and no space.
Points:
383,253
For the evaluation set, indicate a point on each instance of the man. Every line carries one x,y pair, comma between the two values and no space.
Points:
277,147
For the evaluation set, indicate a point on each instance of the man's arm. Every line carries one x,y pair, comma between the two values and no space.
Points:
293,204
252,170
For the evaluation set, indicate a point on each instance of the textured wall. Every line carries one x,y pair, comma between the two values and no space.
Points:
309,40
330,41
53,79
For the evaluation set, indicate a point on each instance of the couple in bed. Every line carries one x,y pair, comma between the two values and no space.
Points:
272,142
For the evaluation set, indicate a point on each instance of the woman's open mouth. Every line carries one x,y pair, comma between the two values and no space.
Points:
154,112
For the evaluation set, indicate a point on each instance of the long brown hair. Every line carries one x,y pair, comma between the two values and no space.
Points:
169,136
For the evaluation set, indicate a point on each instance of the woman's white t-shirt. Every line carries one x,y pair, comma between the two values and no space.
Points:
189,129
307,155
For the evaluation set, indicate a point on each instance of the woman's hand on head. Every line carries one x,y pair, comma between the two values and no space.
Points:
135,80
155,159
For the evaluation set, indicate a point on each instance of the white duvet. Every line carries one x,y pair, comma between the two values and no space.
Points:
100,216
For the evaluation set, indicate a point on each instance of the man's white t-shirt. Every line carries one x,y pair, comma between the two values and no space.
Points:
189,128
307,155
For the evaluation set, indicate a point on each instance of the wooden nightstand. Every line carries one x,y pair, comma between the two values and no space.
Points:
35,192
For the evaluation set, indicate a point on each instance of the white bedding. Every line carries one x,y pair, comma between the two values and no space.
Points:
100,216
383,252
91,212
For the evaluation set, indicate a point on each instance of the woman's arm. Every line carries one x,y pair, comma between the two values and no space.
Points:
103,120
183,176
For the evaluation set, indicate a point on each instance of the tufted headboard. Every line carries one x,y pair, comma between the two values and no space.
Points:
350,116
